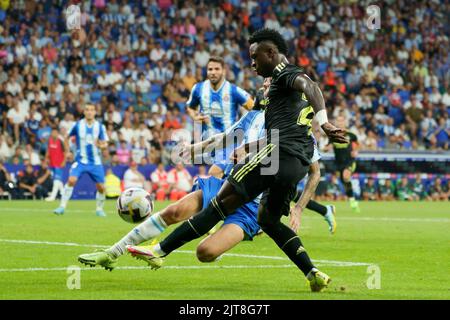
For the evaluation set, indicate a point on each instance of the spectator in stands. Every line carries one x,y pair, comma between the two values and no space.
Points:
370,190
333,190
159,182
387,190
123,153
28,183
112,185
44,178
404,190
6,184
134,179
437,191
418,188
180,182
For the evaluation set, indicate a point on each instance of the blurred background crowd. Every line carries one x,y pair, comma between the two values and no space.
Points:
142,57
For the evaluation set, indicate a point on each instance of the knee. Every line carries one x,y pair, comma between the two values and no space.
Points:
172,214
101,188
206,253
72,181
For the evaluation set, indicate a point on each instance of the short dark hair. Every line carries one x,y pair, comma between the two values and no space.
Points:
270,35
217,59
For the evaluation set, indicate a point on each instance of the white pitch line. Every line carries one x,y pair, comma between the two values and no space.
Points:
72,244
377,219
282,266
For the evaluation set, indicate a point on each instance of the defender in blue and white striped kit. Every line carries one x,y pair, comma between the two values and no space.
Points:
90,137
214,103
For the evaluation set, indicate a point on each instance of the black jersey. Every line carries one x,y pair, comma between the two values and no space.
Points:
289,112
343,151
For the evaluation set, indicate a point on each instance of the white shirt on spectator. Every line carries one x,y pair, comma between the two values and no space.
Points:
201,58
33,157
217,47
66,124
16,116
127,134
71,77
24,106
156,54
132,179
144,85
114,78
272,24
13,87
181,179
116,117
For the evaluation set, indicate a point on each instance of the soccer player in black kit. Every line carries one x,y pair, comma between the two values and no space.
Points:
345,160
293,100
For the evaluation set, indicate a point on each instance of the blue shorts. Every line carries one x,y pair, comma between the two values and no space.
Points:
57,173
245,217
95,171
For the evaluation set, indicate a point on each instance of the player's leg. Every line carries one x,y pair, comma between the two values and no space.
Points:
215,171
57,184
328,212
100,198
147,230
158,222
276,203
219,242
97,173
232,195
346,175
240,225
75,172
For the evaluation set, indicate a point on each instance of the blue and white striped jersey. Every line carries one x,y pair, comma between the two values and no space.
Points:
221,105
85,139
252,125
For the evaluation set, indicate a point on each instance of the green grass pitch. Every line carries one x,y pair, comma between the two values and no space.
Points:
408,243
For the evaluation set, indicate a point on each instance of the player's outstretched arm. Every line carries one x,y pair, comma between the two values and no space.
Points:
315,97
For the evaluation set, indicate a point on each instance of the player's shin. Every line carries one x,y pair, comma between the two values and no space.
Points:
66,195
194,228
150,228
317,207
100,200
290,243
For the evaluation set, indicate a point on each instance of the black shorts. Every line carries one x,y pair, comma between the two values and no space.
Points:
351,166
279,187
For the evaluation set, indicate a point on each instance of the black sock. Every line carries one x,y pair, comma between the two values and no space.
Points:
290,243
317,207
193,228
348,189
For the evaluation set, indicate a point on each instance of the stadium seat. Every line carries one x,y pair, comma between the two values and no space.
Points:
29,195
321,67
209,36
5,195
156,88
141,61
96,96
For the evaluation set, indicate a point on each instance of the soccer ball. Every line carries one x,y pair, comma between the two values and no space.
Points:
134,205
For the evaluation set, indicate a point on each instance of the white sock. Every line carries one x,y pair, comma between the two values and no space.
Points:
157,249
100,197
60,187
328,210
150,228
55,189
67,193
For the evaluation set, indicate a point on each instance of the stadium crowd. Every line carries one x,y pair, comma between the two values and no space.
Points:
142,57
